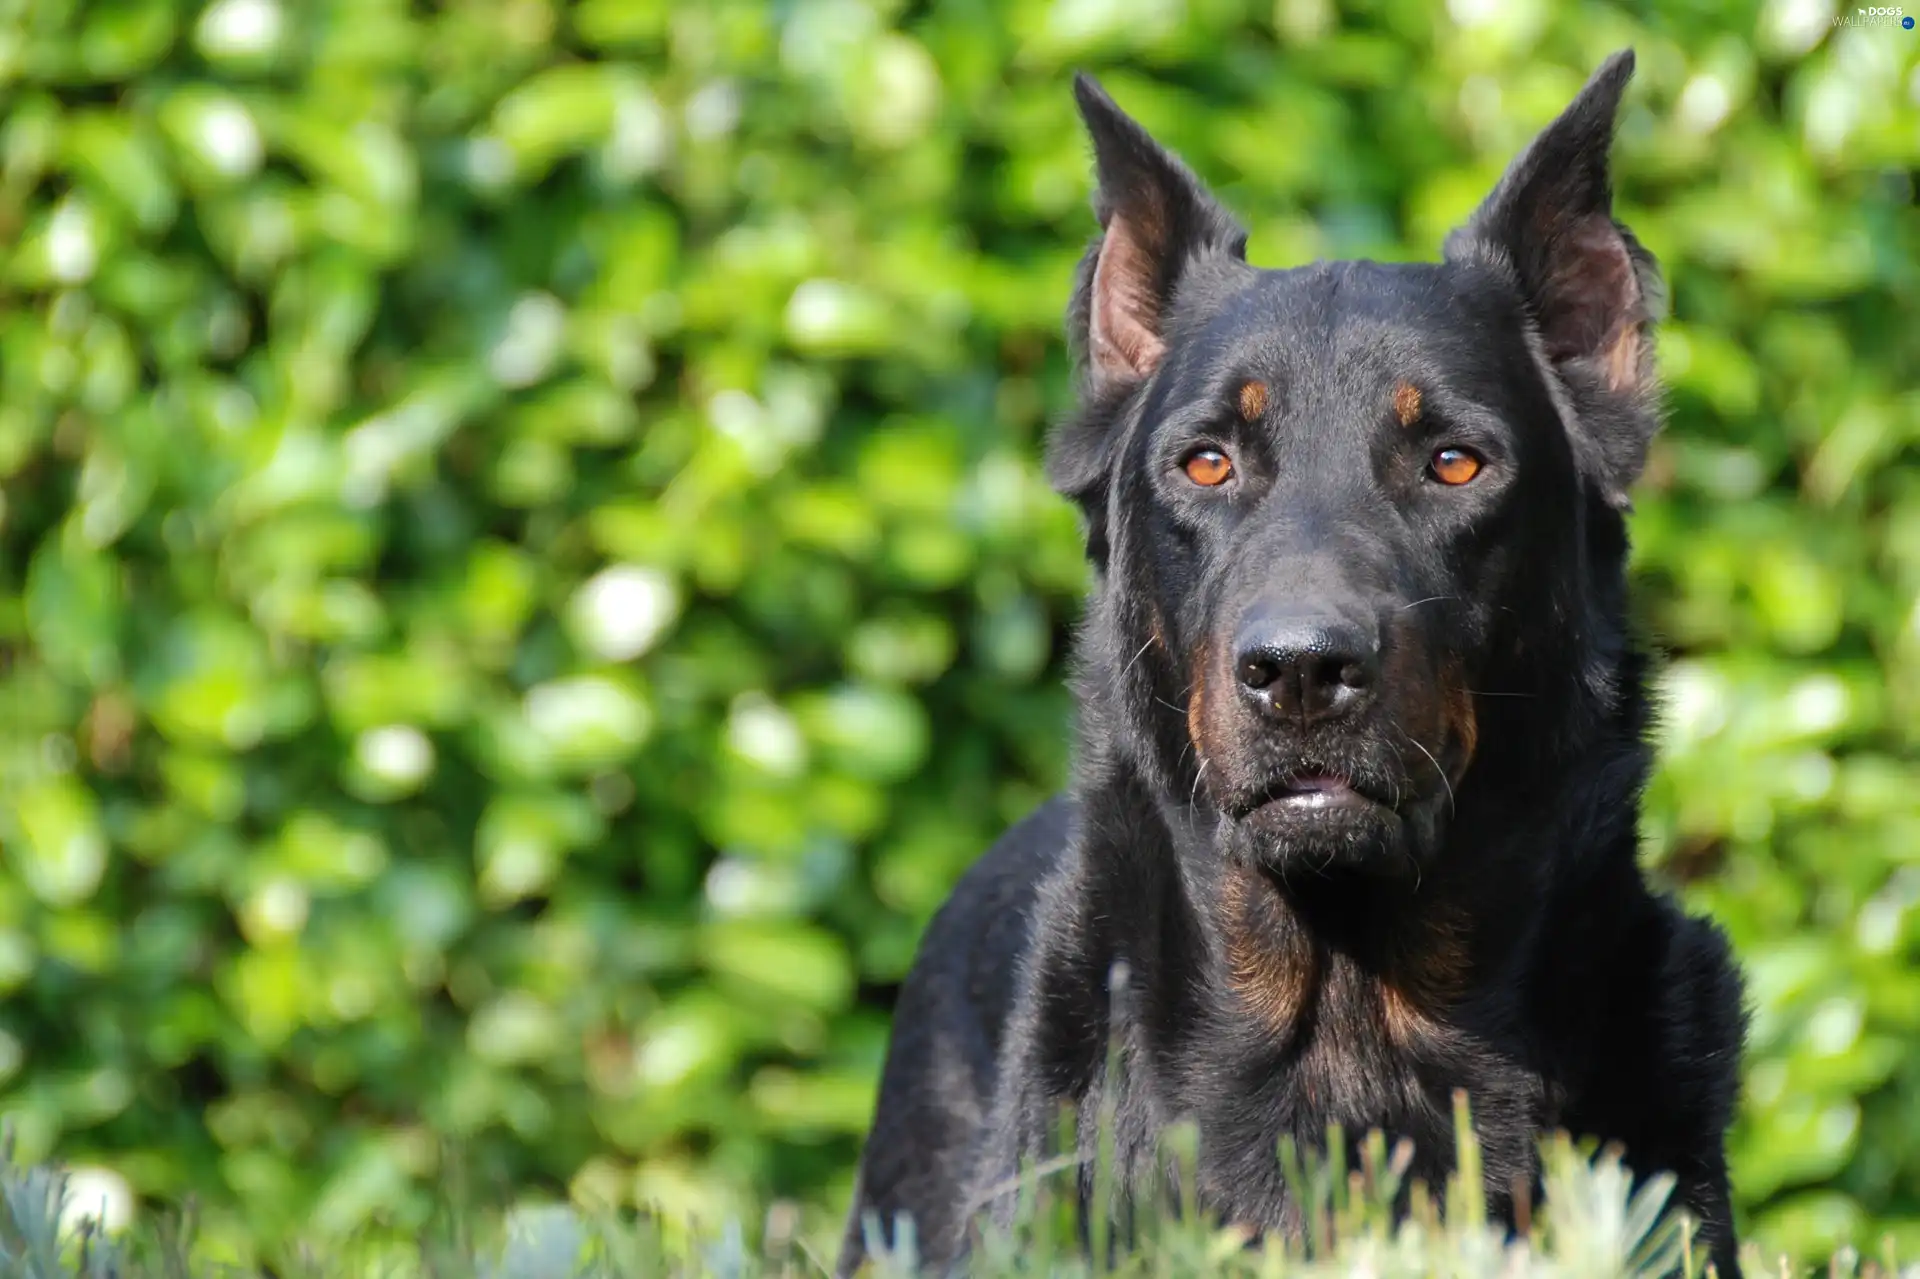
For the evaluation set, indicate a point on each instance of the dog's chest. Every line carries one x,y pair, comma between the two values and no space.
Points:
1339,1064
1352,1055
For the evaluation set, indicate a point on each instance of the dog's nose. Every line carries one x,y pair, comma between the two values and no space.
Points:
1310,670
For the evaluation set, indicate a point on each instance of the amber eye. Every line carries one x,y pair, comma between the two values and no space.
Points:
1209,468
1454,466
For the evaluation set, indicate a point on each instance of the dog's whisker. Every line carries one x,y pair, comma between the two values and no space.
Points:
1193,798
1393,779
1431,599
1128,669
1479,692
1452,804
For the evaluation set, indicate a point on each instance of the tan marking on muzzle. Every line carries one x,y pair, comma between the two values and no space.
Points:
1406,403
1253,400
1197,703
1462,719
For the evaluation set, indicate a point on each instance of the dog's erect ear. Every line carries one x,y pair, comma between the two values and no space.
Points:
1592,291
1156,219
1157,222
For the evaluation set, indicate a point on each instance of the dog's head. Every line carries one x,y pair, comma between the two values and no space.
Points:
1338,512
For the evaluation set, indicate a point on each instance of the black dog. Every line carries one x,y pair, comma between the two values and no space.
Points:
1362,729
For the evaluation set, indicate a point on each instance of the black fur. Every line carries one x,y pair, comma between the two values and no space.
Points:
1360,748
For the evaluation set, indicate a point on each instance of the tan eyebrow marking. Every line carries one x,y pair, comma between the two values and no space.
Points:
1406,403
1253,400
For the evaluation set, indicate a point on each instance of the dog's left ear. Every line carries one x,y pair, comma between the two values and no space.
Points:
1593,293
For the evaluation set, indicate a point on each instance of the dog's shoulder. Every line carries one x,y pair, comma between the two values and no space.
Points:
939,1077
994,899
955,1000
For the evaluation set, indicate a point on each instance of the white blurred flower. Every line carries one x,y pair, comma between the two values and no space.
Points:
398,754
527,350
619,612
99,1195
239,28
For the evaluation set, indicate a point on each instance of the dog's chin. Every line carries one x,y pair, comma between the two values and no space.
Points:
1323,825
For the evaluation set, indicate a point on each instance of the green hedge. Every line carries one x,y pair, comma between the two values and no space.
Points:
524,571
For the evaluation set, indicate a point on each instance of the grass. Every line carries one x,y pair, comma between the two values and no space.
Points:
1591,1223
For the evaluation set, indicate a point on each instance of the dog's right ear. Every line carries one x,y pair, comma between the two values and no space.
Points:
1156,221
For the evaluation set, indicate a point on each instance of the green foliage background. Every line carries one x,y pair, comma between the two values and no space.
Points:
524,573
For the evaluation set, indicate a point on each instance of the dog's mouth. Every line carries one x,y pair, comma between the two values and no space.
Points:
1307,792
